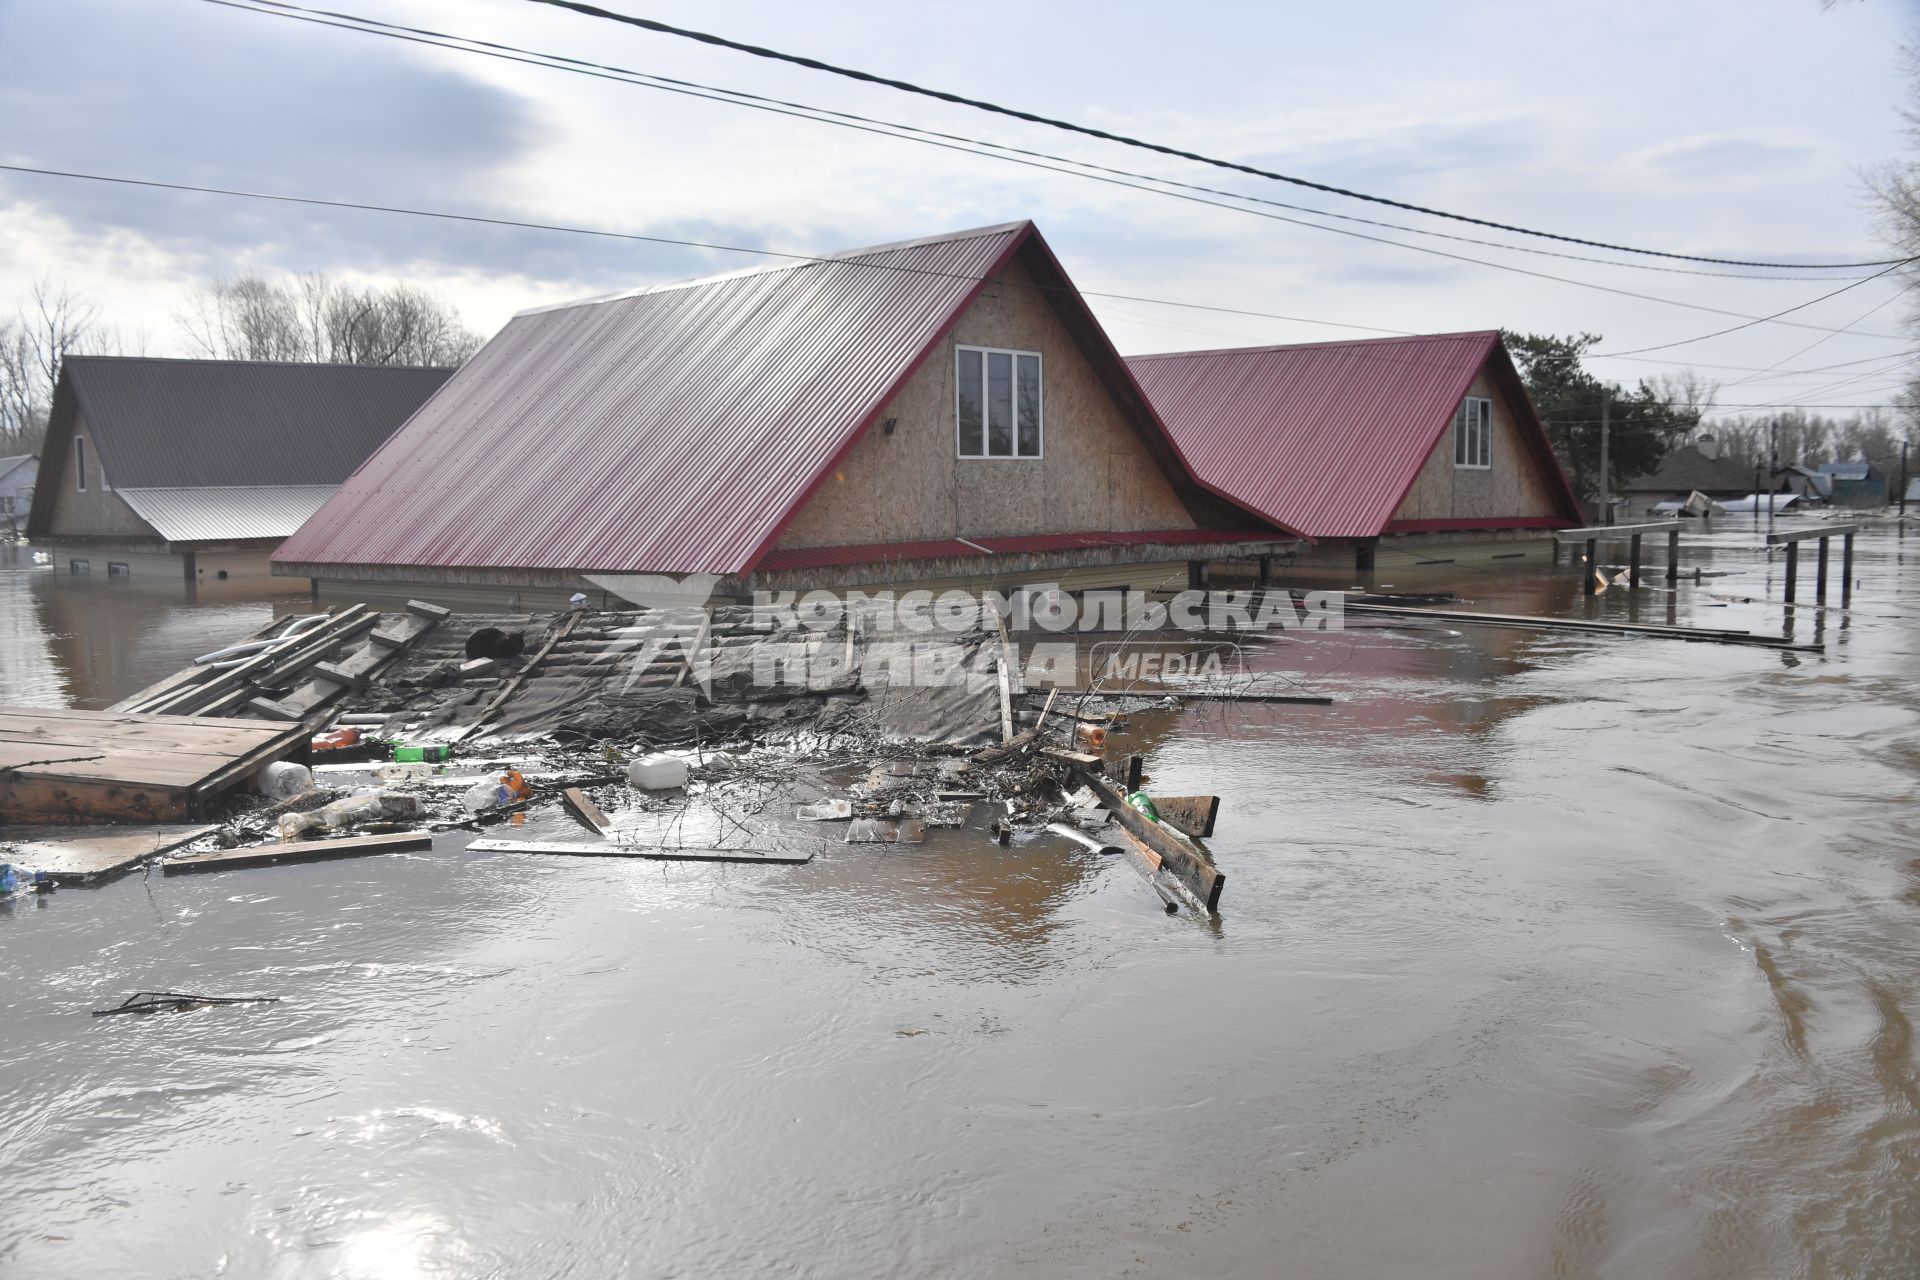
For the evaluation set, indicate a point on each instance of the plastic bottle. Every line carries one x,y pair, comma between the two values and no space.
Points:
283,780
658,772
8,880
1144,803
482,796
415,755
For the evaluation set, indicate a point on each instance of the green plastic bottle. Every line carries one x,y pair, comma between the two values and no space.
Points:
1144,803
422,755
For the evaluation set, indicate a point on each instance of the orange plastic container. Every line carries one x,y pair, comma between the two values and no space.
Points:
1092,736
335,739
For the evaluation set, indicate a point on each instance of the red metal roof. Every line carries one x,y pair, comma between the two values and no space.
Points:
1326,438
676,429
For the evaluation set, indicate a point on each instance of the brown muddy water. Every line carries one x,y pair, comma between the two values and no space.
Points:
1541,955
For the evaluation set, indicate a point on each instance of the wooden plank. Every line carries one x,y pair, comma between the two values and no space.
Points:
477,667
299,851
260,667
1238,695
341,674
91,801
512,686
1193,815
582,807
1802,535
426,610
1040,721
97,855
700,638
190,674
1185,860
1006,703
651,854
1079,759
271,709
1602,531
991,755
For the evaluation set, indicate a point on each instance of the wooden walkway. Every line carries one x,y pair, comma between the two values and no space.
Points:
83,767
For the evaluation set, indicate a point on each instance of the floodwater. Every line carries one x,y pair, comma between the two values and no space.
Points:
1540,955
87,642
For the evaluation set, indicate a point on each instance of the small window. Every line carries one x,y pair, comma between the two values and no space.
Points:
115,569
80,463
1473,434
79,568
998,403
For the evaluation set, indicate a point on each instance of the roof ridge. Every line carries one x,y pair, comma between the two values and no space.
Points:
86,358
1312,346
795,262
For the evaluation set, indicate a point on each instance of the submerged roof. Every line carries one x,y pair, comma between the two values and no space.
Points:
220,514
191,423
1686,469
677,429
1326,438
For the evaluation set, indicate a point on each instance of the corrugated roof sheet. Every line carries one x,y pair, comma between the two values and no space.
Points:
223,514
673,429
173,424
1326,438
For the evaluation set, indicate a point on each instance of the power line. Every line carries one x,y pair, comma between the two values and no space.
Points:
1718,333
814,64
341,21
894,129
635,237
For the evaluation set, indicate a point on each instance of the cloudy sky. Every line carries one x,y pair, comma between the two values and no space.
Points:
1728,128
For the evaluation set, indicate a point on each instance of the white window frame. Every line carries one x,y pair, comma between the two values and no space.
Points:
1467,433
1040,363
79,464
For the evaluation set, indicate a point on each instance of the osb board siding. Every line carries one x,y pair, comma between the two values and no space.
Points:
1097,475
1513,486
143,563
97,513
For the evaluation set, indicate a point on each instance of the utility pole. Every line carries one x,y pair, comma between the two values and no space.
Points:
1903,479
1773,469
1606,503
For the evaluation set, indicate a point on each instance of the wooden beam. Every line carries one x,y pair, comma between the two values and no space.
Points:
512,686
578,804
1192,814
298,851
1594,533
651,854
1186,861
1790,536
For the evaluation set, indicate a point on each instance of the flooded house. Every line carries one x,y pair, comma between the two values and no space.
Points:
937,412
171,471
17,475
1689,469
1420,449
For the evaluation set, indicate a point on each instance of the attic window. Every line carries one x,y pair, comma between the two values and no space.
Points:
997,398
1473,434
80,463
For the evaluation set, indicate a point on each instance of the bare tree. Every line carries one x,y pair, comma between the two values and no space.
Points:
1896,190
50,326
311,318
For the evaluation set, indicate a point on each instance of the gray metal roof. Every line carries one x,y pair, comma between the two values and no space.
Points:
171,424
7,465
223,514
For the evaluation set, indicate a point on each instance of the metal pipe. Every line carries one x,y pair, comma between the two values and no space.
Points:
1080,837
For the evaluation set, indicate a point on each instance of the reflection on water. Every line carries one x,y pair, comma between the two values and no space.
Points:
1543,954
86,642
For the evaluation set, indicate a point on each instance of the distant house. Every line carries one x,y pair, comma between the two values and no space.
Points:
1685,471
193,470
1388,444
1855,484
939,412
16,491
